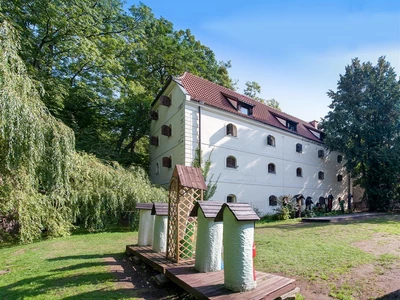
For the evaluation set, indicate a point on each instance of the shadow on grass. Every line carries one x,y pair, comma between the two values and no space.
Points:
391,296
383,219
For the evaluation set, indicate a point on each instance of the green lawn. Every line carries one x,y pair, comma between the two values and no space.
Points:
74,267
65,268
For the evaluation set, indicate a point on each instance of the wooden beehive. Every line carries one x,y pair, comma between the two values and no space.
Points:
186,187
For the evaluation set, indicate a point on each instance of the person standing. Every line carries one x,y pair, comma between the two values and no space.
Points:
341,203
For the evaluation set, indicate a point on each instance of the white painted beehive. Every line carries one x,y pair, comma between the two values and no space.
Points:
160,210
146,224
238,239
209,236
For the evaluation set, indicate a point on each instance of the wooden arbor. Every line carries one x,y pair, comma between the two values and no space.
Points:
186,187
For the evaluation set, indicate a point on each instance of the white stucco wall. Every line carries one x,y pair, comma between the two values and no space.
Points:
146,228
168,146
238,253
160,233
250,182
208,244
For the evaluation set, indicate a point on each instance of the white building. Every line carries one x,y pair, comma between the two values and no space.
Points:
258,152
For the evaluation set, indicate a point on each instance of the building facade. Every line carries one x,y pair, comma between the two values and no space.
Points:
257,152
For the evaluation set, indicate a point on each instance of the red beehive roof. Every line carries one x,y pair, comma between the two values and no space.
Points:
214,95
190,177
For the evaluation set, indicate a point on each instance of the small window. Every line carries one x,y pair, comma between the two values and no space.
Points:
273,201
165,101
291,125
154,115
321,153
231,130
154,141
271,141
231,198
166,130
271,168
157,168
231,162
321,175
167,162
339,177
299,172
339,159
299,148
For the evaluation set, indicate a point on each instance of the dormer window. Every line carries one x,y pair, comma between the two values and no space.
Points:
245,108
291,125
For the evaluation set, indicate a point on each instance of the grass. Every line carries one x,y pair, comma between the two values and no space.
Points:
74,267
68,268
322,253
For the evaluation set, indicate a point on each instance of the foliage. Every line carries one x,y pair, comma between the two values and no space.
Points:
45,185
101,67
197,163
36,150
253,89
102,191
364,124
286,208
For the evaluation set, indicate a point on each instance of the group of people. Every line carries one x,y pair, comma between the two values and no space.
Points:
323,202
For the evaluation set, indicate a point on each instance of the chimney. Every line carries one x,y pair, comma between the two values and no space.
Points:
314,124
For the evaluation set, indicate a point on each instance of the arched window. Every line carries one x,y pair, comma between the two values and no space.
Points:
339,159
231,162
339,177
167,161
231,130
271,168
271,141
320,153
273,201
299,172
299,148
231,198
321,175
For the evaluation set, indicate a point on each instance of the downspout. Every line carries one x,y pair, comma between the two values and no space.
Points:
199,135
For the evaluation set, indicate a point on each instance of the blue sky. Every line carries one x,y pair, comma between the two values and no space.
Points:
294,49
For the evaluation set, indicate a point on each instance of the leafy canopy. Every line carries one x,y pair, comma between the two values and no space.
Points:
364,124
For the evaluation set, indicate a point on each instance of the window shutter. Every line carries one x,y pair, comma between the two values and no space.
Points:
166,162
154,141
166,130
154,115
165,100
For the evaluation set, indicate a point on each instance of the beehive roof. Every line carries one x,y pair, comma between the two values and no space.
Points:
146,206
210,209
190,177
241,211
160,209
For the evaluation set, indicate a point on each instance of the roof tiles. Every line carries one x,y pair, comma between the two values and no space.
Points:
214,95
190,177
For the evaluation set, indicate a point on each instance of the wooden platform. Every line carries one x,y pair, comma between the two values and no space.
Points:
211,285
156,260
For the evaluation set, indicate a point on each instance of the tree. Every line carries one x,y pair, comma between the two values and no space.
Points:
364,124
205,168
253,89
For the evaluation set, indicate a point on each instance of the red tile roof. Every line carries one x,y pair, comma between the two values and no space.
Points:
214,95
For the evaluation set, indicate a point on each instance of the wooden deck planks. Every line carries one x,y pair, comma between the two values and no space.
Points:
210,285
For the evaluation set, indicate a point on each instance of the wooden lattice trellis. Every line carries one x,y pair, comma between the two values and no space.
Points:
186,187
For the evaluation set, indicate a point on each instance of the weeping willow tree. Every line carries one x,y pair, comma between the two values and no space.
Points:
36,151
44,184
